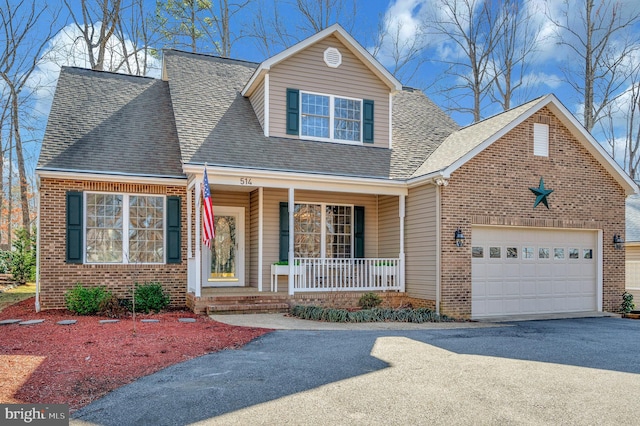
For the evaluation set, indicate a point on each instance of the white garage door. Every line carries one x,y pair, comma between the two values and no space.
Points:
531,271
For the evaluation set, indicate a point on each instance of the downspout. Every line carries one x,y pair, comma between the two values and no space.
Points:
438,245
38,248
260,236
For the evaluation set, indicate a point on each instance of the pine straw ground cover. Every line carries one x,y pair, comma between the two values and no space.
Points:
75,364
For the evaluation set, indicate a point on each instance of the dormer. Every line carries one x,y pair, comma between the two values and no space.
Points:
327,88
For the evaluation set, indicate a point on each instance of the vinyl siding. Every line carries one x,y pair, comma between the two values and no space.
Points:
388,227
257,102
307,71
420,239
632,269
237,199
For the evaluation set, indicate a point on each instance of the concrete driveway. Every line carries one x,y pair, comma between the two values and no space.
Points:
572,371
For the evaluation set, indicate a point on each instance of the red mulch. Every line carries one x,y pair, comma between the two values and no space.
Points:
76,364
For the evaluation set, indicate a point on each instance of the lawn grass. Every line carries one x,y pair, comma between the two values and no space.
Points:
16,294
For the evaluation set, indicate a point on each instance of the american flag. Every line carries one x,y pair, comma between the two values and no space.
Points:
208,228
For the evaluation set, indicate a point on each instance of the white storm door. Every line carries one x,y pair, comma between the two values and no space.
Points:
223,264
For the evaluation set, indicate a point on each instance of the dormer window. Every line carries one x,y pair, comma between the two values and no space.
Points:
333,118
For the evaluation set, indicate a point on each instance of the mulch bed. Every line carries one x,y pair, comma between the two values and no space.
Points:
76,364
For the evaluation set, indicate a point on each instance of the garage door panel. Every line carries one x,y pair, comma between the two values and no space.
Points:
550,274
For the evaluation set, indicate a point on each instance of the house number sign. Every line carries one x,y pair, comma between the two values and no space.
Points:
245,181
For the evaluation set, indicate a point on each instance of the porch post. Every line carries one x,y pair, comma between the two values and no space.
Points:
290,255
401,212
198,244
260,230
189,221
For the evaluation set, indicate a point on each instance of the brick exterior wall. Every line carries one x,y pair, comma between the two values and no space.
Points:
56,276
493,189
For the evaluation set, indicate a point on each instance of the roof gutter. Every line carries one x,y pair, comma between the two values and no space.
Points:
52,173
223,175
440,178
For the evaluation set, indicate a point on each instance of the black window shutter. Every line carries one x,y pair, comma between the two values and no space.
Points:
293,111
367,121
284,231
358,234
173,230
74,227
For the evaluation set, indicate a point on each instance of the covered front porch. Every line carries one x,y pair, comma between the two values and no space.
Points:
274,238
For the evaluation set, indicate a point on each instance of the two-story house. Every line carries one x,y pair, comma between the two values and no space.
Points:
320,160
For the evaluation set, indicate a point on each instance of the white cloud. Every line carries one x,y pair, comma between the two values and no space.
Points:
67,48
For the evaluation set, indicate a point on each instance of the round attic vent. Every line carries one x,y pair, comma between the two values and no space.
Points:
332,57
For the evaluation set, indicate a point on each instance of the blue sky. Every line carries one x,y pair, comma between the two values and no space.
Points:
402,17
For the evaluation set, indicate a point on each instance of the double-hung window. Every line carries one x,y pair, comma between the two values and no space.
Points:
124,228
323,230
331,117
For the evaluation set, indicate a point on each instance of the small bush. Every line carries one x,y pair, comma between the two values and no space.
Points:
150,297
627,303
113,307
369,300
86,300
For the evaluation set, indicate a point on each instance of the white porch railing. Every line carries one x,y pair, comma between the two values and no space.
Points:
324,274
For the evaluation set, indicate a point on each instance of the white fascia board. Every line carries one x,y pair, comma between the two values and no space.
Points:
574,126
273,179
500,133
111,177
343,36
593,146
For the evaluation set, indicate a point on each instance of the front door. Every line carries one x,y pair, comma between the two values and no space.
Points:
224,263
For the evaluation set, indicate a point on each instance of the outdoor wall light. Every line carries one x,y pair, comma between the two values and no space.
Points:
617,241
459,237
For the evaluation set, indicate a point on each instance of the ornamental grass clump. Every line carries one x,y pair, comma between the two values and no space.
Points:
317,313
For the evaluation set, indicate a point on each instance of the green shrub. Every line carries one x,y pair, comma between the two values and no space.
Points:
86,300
369,300
21,261
150,297
627,303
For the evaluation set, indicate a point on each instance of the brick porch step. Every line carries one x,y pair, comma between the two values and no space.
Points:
255,308
247,304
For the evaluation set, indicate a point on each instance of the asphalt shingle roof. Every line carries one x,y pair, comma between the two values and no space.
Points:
113,123
222,128
461,142
107,122
419,127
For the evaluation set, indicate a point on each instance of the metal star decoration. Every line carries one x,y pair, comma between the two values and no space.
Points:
541,194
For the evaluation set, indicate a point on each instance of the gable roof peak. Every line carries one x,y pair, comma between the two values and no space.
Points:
341,34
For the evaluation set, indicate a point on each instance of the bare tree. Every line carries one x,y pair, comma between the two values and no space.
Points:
107,12
134,35
602,35
19,58
473,27
402,55
274,32
222,12
515,45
